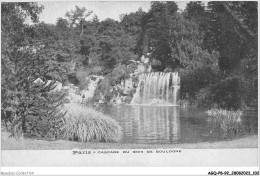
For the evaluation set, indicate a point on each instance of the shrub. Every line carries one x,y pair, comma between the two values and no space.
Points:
103,90
86,124
228,121
193,81
226,94
72,77
119,73
205,98
82,76
97,70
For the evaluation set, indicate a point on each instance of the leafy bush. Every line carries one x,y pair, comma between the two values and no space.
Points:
82,76
119,73
224,94
228,121
72,77
103,90
86,124
96,70
195,79
205,98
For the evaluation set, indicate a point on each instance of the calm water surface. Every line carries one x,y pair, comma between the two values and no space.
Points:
168,124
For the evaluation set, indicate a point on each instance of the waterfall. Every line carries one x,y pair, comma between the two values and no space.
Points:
157,88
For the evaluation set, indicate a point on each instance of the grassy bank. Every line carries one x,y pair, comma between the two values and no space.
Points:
30,144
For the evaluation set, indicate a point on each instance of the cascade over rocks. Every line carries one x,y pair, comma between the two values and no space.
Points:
141,87
125,90
157,88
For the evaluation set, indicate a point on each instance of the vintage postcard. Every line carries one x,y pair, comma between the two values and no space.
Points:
129,84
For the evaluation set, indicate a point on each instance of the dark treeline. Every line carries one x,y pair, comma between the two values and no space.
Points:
213,46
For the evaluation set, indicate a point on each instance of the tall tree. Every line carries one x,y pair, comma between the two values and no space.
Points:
156,30
78,17
230,29
131,23
177,43
26,105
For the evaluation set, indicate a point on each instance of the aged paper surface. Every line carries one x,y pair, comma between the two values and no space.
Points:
141,84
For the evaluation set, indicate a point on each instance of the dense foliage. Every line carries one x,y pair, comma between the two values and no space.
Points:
27,106
212,45
230,28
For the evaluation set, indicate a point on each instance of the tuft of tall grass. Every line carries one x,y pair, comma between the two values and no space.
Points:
86,124
228,121
222,113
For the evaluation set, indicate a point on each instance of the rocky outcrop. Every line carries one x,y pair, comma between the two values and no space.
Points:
88,93
123,92
141,66
73,93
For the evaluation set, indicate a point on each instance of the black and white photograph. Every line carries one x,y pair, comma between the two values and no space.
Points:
129,83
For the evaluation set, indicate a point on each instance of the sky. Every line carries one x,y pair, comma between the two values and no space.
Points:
103,9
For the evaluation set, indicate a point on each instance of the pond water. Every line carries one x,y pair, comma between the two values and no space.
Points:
171,124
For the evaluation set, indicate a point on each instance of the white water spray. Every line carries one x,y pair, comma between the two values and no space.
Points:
157,88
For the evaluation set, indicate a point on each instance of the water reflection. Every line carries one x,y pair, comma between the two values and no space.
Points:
148,124
169,124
